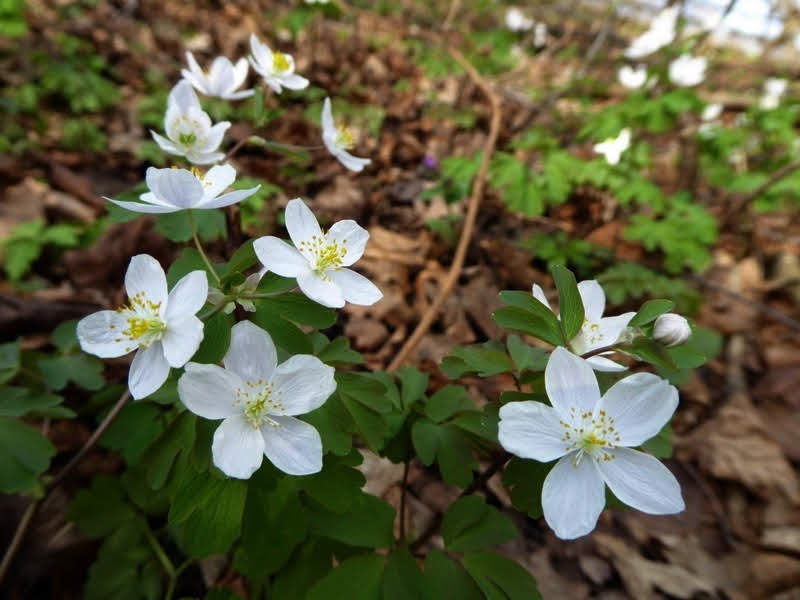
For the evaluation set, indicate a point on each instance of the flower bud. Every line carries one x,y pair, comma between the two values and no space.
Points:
671,330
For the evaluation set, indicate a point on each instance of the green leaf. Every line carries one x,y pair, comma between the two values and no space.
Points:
402,577
661,445
339,352
448,401
209,511
334,424
9,361
188,261
500,578
64,337
241,261
526,321
285,334
19,255
337,487
525,479
650,311
177,227
137,426
216,339
525,357
101,509
445,578
413,385
484,359
652,352
298,308
159,457
82,369
357,578
309,563
126,568
703,345
273,525
26,454
471,524
369,522
21,401
449,446
569,301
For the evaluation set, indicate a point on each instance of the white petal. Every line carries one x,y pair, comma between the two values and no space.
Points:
293,446
573,497
261,54
230,198
594,299
294,81
280,257
612,327
209,391
240,70
538,293
605,365
301,223
642,482
355,288
531,430
145,276
214,139
251,355
640,405
327,118
323,291
350,235
182,339
176,187
203,158
166,145
149,370
570,383
183,97
218,179
101,334
353,163
188,296
240,95
144,208
237,448
304,382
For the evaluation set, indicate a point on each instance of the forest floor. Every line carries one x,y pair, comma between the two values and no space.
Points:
736,430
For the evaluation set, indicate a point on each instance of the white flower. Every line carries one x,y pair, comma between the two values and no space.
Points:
632,78
172,190
338,140
593,437
711,112
612,148
540,35
318,259
671,329
222,79
276,68
189,128
660,34
162,327
258,400
597,331
687,70
516,20
774,89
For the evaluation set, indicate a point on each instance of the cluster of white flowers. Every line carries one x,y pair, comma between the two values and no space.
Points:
774,89
592,436
613,148
688,70
660,34
257,399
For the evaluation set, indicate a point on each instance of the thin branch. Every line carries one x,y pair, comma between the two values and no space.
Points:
469,221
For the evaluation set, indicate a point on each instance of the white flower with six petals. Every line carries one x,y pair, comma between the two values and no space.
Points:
161,326
172,190
222,79
258,400
318,258
189,128
339,139
612,148
593,437
597,331
276,68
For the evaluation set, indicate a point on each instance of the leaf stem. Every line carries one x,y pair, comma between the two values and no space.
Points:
403,485
199,246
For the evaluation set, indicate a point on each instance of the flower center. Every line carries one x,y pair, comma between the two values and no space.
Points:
187,139
344,138
280,62
259,401
327,255
144,325
591,434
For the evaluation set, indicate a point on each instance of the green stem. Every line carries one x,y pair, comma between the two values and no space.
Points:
215,310
199,247
166,563
597,351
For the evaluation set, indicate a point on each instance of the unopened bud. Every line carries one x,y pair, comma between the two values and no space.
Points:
671,329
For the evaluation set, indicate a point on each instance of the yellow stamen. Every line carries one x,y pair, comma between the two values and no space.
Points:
280,62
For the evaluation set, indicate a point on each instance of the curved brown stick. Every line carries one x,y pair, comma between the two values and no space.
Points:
474,203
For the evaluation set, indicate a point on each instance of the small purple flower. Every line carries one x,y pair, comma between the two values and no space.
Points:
430,162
